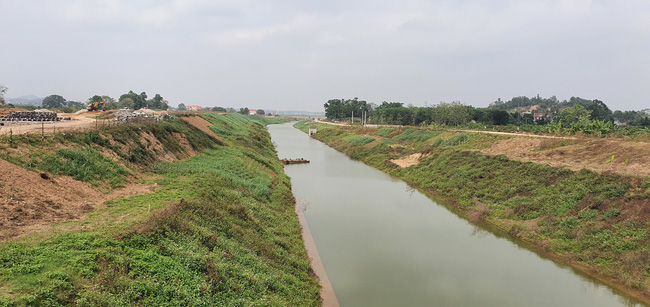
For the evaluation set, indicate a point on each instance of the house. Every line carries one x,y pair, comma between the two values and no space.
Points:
539,116
194,108
252,111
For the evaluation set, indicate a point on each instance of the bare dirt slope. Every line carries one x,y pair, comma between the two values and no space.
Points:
31,202
629,157
202,124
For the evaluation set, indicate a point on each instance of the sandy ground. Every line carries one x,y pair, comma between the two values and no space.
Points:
31,201
77,121
407,161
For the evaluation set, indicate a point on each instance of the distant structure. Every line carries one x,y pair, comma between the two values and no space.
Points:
312,130
194,108
252,111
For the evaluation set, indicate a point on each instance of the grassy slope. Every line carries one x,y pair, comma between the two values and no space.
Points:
597,221
224,232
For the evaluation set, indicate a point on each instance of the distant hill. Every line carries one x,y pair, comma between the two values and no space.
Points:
27,100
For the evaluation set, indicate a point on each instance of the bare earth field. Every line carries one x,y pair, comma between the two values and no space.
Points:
77,121
629,157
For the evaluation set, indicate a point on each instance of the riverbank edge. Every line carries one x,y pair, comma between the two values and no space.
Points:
327,292
464,212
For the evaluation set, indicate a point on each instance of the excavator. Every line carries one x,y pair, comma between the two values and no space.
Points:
95,106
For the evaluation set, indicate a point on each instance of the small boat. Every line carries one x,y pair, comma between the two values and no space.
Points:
294,161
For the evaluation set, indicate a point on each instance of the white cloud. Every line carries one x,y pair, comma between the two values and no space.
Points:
471,50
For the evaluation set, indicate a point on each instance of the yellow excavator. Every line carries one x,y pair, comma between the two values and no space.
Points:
95,106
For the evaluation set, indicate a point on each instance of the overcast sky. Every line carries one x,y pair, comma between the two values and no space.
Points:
297,54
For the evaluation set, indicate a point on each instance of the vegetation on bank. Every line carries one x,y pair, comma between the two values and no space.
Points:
599,221
536,115
105,158
219,231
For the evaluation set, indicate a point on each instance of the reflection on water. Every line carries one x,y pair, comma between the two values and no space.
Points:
385,244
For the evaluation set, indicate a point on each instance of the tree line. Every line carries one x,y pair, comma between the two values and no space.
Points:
573,113
129,100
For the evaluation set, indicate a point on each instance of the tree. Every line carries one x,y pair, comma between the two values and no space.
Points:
575,114
244,111
75,105
157,102
259,112
453,113
499,117
182,107
54,102
219,109
3,90
599,110
137,101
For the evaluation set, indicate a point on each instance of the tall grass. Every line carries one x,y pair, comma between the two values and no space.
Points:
86,165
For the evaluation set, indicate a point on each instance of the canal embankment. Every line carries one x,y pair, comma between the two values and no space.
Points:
595,221
213,223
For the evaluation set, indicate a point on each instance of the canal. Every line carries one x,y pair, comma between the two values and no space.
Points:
383,243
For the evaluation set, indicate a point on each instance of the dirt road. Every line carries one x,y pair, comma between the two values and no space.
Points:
77,121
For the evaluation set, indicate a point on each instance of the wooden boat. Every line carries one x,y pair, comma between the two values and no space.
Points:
294,161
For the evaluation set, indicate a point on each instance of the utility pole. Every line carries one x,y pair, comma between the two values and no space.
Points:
353,117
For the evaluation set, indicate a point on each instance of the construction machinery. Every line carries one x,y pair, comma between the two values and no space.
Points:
95,105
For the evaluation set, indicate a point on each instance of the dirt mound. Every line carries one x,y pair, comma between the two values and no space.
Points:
31,201
202,124
600,155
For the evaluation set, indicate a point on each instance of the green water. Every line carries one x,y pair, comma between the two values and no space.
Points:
385,244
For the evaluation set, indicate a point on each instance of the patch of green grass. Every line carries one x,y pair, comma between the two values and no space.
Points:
418,135
388,141
85,165
384,132
358,140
